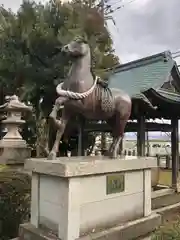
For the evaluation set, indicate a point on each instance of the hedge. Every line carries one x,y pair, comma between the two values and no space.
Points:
15,189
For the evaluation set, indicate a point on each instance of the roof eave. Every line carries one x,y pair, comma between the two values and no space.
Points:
157,94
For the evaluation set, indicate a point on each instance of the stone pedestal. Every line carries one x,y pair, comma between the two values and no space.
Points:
88,198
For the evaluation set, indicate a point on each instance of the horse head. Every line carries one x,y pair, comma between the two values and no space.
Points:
77,48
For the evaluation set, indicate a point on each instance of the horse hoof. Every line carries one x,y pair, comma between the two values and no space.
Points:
52,156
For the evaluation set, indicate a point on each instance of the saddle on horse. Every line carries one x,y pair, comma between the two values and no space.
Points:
105,96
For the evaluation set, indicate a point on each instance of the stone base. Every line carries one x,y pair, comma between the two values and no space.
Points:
73,197
130,231
14,154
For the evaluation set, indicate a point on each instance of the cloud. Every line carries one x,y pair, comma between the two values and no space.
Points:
145,27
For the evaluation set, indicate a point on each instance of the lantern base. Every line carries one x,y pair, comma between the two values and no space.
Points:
14,154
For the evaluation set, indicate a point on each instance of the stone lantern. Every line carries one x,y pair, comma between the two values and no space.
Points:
13,149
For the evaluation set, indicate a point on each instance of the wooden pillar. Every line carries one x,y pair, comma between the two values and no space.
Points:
147,143
175,153
103,141
81,138
158,160
1,133
168,162
121,147
141,136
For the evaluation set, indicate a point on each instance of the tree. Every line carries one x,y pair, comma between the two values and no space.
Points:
30,63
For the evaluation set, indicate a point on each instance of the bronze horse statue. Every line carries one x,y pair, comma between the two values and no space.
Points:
81,94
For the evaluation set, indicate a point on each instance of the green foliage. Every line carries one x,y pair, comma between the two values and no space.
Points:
170,230
14,202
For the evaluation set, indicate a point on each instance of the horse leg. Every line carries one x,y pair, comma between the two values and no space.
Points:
57,106
111,152
118,133
115,147
62,125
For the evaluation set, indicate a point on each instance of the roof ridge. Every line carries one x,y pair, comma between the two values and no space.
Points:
165,56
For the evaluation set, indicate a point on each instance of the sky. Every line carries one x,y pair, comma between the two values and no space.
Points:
143,27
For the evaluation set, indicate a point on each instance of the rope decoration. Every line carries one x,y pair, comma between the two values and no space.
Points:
75,95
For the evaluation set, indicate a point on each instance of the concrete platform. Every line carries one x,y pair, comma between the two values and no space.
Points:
130,231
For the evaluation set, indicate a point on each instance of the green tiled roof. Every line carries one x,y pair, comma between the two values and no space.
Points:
139,76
